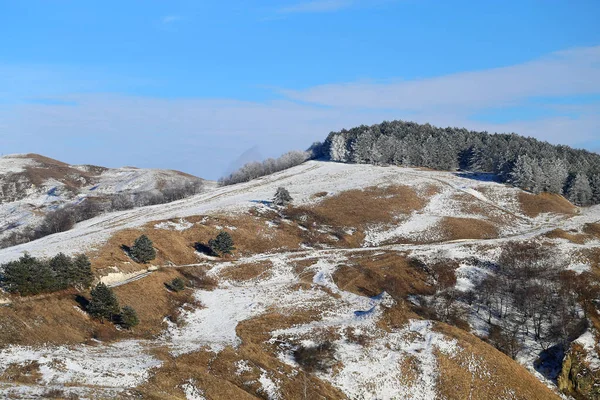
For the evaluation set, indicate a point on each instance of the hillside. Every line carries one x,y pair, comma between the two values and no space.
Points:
374,272
31,186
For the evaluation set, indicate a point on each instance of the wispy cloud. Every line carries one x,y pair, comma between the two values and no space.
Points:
565,73
169,19
180,133
317,6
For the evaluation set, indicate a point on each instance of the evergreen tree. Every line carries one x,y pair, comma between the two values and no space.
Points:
62,268
82,271
362,148
282,197
522,173
104,303
555,175
595,185
579,191
28,276
525,162
142,250
128,317
338,150
222,244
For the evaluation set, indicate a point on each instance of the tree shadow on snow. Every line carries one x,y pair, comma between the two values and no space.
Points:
204,249
82,301
549,362
263,202
478,176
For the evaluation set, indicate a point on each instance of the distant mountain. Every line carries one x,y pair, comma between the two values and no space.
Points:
32,185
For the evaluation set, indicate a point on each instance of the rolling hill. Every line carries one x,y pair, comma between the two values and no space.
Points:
369,285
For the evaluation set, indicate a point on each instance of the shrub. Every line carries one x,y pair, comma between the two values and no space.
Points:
128,318
315,358
176,285
142,250
60,220
30,276
255,169
222,244
104,303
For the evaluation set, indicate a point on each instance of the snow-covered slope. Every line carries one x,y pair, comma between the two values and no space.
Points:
31,185
314,177
242,333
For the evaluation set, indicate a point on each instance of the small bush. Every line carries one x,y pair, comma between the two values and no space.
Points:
222,244
128,317
316,358
176,285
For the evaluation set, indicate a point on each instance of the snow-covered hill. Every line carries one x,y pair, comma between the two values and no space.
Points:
31,185
330,269
494,201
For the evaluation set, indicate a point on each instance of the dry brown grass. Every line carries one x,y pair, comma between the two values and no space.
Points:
358,208
572,237
153,301
592,229
44,319
369,274
453,228
27,373
536,204
493,374
59,319
246,272
252,235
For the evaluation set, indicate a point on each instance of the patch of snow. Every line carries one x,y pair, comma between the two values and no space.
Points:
269,387
191,391
589,342
579,268
120,365
180,226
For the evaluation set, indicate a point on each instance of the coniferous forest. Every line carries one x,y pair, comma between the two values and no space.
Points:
524,162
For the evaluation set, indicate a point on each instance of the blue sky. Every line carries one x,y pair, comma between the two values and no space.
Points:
192,85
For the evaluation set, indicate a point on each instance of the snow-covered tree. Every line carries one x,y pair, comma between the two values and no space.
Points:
595,185
338,150
524,162
555,175
362,148
282,197
579,191
522,173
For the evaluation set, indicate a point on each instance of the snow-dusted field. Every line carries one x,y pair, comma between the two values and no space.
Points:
303,182
366,371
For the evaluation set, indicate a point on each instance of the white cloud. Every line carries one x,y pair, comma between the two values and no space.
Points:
317,6
572,72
